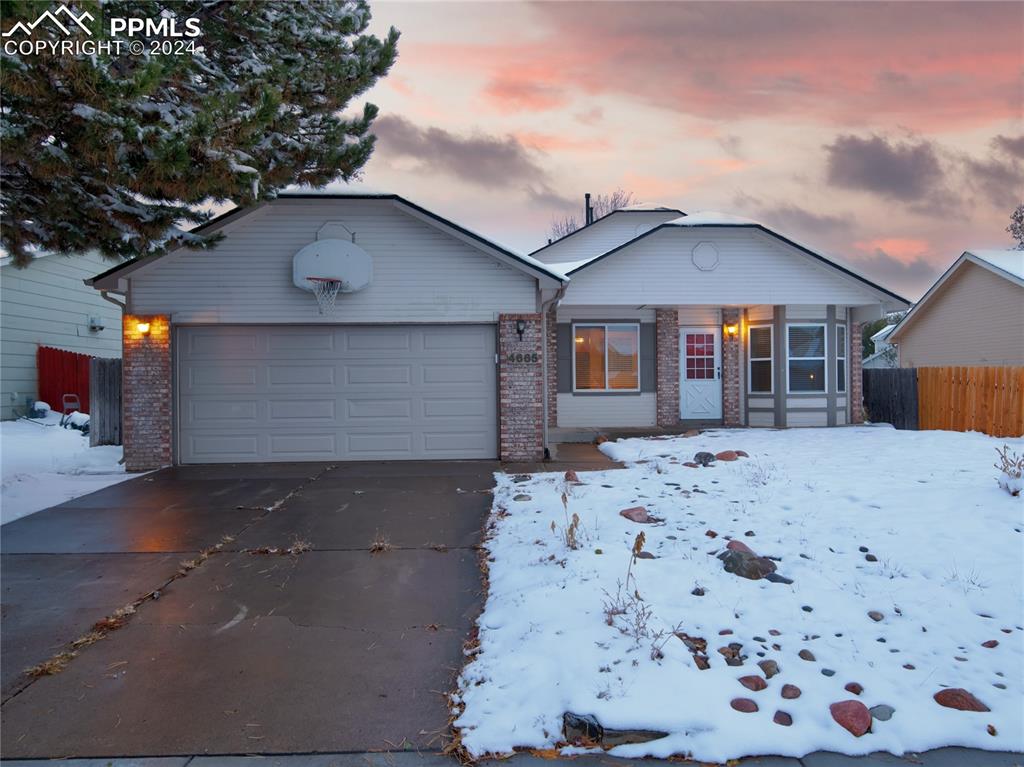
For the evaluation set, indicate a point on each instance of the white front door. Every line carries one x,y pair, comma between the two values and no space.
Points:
700,373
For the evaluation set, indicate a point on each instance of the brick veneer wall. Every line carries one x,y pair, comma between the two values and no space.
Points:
520,389
146,393
731,361
552,350
667,366
856,375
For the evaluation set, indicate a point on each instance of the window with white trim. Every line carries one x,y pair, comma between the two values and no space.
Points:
606,357
840,358
760,362
806,354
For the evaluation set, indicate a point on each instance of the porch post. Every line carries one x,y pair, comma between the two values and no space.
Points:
667,366
856,374
731,363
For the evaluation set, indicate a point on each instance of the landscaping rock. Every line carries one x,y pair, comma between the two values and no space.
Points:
704,458
790,691
870,557
711,534
776,578
702,662
522,497
698,592
769,667
733,654
624,737
637,514
581,729
726,455
746,564
781,717
863,549
807,655
882,712
807,609
852,715
960,699
990,643
691,464
853,687
753,682
828,672
570,476
745,705
875,615
645,555
741,454
738,546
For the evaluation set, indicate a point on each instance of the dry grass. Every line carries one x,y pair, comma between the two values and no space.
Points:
381,543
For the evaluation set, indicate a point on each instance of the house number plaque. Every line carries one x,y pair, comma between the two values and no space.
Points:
518,358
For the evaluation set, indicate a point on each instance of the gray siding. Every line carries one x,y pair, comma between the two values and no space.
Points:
47,304
420,273
601,237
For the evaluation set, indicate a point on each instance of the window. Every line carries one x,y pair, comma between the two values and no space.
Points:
760,373
840,358
806,358
606,357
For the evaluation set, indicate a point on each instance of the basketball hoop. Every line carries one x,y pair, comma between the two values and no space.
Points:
326,291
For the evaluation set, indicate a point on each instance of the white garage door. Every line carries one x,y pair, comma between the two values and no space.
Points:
311,393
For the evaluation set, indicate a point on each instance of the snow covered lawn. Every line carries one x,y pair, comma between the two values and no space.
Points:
43,465
906,562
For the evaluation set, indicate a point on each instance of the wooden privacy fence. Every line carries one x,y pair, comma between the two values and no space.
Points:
986,399
61,372
105,395
890,396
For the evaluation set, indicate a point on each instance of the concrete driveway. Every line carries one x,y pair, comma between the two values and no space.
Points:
330,650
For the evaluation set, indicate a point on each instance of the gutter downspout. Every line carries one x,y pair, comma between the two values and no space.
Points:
545,305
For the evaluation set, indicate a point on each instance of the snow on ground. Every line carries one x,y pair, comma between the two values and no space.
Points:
42,465
947,579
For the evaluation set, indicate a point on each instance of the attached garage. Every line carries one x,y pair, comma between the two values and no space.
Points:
315,393
429,347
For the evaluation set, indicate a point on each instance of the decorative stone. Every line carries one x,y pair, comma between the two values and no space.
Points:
741,454
636,514
781,717
711,534
614,738
738,546
776,578
875,615
852,715
870,557
882,712
807,655
702,662
581,729
746,564
853,687
645,555
769,667
960,699
863,549
704,458
807,609
990,643
691,464
570,476
828,672
724,632
744,705
753,682
522,497
790,691
698,592
726,455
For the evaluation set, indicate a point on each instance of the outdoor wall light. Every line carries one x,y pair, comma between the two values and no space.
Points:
520,328
143,328
732,329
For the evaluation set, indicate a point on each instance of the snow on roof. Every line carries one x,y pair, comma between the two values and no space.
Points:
652,207
882,334
1010,261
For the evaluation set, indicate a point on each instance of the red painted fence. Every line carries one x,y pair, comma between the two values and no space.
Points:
59,373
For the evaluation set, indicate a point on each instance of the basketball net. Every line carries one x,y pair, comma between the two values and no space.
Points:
326,291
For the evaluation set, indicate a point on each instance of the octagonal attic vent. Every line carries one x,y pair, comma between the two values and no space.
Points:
705,256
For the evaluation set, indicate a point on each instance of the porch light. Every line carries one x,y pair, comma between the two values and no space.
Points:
520,328
732,329
143,328
579,339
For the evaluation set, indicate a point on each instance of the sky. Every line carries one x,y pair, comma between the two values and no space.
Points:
888,134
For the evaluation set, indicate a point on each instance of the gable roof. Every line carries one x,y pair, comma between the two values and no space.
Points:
524,262
882,334
715,220
1008,264
642,207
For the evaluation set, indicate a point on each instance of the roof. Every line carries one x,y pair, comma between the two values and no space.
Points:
713,219
1008,264
238,213
642,207
882,334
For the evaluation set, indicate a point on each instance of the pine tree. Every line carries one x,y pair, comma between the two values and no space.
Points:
122,152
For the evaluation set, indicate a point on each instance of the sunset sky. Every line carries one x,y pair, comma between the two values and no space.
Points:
888,134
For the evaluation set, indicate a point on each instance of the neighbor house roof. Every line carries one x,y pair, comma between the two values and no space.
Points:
1008,264
713,219
882,334
527,262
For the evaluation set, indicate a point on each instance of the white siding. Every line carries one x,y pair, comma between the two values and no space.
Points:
616,410
753,268
699,315
46,303
760,313
420,273
601,237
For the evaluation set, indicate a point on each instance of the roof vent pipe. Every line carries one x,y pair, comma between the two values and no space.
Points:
588,210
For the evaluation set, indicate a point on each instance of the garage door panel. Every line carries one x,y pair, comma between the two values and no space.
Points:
278,393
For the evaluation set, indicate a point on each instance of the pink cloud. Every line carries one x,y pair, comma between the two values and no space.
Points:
902,248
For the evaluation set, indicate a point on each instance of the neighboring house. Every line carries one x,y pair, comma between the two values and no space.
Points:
46,304
451,346
884,354
973,315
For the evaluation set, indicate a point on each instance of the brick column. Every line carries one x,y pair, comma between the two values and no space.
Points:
856,375
146,392
552,352
667,366
731,361
520,390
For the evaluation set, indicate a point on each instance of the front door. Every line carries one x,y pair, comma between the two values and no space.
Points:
700,374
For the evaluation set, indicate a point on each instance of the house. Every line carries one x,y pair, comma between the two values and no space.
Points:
444,344
972,316
672,319
884,354
46,304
